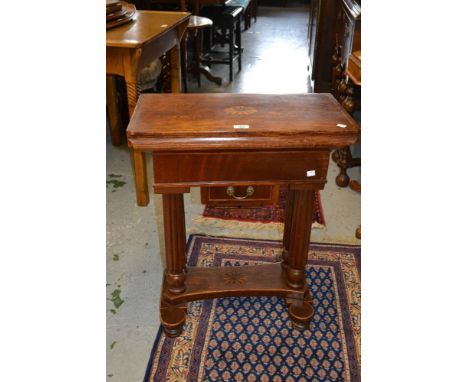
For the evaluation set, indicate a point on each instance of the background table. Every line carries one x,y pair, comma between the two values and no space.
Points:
132,46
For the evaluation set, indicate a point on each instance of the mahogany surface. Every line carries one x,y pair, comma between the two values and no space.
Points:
206,122
255,280
197,169
194,143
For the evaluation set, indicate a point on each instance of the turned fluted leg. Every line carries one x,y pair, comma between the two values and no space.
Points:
296,238
287,228
300,223
174,236
183,62
173,316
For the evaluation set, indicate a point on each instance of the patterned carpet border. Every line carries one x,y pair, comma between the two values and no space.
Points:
320,255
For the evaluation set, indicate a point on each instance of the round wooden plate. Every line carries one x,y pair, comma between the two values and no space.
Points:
129,11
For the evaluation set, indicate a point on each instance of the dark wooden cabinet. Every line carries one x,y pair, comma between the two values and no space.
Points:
348,40
346,83
333,28
322,37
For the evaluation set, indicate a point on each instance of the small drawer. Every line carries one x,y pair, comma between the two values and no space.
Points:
240,195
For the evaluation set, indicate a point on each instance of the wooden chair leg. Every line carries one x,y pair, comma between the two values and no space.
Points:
231,51
197,52
183,62
239,45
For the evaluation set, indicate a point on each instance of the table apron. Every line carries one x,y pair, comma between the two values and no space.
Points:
140,57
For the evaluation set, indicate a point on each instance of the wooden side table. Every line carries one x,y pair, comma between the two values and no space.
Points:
130,47
231,140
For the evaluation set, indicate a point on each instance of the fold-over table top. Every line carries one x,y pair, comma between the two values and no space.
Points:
145,26
227,121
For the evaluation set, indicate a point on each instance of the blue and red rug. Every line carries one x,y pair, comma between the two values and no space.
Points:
251,338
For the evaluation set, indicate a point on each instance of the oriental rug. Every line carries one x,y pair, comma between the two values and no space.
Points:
263,214
251,338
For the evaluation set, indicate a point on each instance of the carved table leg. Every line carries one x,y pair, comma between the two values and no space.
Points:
139,175
344,155
337,71
133,92
349,102
183,62
197,44
296,240
115,121
173,316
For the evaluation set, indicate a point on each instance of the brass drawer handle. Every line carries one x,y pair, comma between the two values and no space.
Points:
231,192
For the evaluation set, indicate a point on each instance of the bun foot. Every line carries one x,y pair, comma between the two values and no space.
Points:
342,180
300,312
172,319
358,233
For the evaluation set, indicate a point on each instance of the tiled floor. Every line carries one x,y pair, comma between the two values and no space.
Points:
274,61
274,58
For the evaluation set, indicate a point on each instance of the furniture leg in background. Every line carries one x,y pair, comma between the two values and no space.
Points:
226,30
197,25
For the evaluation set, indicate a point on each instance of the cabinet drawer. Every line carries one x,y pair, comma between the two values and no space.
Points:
221,196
